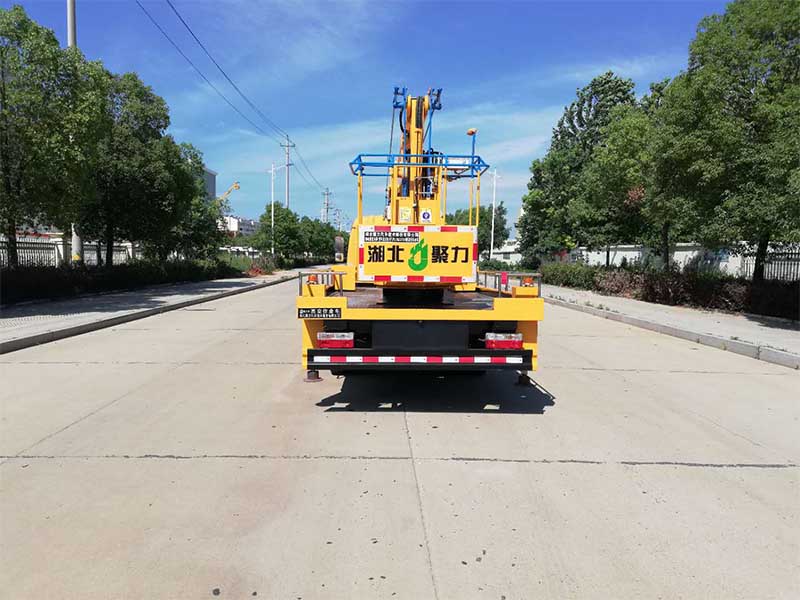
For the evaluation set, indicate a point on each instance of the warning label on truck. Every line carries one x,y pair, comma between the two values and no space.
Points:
391,236
319,313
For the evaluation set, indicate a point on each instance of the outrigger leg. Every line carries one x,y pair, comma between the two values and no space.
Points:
312,376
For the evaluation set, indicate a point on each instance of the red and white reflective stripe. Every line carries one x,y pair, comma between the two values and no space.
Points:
419,278
455,360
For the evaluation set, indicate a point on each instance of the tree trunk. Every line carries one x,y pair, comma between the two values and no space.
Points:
13,255
665,246
109,245
761,257
99,250
608,256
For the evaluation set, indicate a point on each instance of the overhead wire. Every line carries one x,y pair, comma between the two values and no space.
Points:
304,178
199,72
266,119
302,160
244,97
224,74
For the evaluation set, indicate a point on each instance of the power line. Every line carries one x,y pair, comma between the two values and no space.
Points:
244,97
302,160
199,72
266,119
303,177
224,74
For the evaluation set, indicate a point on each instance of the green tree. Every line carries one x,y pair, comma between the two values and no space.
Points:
288,239
317,237
198,234
553,213
618,201
501,229
728,134
126,175
580,127
608,208
49,111
171,185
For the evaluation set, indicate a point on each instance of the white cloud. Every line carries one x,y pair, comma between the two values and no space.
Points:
635,67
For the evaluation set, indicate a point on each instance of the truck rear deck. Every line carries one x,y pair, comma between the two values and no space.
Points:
424,331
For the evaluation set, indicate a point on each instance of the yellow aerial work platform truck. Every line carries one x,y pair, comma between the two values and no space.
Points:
410,295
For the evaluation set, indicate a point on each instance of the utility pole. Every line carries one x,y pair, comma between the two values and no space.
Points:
272,172
72,42
326,204
494,197
288,145
272,207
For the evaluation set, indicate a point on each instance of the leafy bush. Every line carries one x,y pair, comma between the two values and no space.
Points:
495,265
575,275
265,264
239,262
36,283
711,290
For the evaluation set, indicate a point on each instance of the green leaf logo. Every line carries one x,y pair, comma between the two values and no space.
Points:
419,256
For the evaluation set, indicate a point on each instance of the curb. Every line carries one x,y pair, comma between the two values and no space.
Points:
60,334
765,353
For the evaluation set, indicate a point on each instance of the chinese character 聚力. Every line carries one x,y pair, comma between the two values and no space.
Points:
440,254
459,249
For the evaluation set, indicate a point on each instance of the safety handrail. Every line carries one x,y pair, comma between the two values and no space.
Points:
512,279
458,165
328,278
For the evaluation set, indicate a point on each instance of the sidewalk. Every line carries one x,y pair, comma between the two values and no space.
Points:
765,338
35,323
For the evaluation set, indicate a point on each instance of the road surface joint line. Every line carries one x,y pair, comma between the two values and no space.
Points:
66,332
673,371
419,504
749,349
412,460
84,417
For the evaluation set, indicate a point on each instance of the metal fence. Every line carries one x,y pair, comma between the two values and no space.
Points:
48,253
121,254
778,265
32,254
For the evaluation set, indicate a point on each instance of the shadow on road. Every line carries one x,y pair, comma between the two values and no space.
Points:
774,322
493,392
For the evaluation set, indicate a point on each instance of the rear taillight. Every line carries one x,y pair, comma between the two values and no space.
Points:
504,341
335,339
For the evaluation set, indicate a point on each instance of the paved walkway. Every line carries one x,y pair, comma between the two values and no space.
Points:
44,321
778,334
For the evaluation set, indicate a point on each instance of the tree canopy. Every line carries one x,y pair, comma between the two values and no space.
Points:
81,145
710,156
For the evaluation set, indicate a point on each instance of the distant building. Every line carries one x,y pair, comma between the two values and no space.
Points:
237,226
210,182
507,253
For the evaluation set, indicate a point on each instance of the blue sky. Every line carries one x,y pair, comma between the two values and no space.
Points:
324,72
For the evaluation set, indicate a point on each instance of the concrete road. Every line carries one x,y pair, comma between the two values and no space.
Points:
181,456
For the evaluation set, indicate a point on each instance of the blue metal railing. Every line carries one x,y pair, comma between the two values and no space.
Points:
458,165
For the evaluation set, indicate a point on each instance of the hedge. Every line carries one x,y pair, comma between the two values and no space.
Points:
710,290
37,283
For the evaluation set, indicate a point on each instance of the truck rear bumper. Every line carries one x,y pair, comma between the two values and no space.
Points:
464,360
